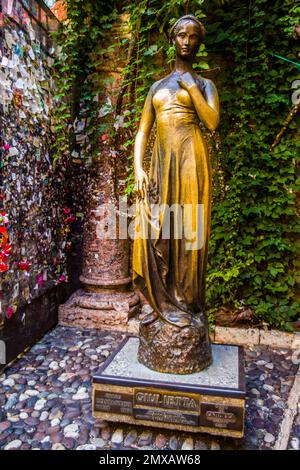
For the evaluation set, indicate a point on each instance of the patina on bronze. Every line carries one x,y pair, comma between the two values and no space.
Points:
174,337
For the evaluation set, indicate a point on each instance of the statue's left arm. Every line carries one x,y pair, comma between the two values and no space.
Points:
206,103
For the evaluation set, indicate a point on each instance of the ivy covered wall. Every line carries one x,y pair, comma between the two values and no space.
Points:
254,251
253,264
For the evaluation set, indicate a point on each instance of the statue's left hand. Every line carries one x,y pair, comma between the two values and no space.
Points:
186,81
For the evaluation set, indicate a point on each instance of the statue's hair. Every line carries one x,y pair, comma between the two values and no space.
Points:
175,26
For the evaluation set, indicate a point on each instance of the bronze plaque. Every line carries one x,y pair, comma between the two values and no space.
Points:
164,406
112,402
166,416
221,416
157,398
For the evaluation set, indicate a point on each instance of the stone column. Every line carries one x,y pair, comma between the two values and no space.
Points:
107,299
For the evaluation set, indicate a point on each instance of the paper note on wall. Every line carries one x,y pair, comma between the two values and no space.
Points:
10,4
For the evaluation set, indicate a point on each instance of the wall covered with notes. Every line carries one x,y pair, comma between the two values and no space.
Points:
34,222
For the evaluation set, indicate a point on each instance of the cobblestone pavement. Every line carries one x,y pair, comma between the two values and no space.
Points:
45,400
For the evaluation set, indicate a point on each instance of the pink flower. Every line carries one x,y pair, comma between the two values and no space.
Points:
9,312
6,147
103,137
40,280
66,211
3,218
62,278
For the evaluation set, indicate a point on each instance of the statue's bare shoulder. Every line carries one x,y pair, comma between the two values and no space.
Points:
206,85
157,85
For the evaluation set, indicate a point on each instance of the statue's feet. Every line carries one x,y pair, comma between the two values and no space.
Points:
150,318
180,319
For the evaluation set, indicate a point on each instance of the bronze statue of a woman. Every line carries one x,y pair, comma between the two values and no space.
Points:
169,271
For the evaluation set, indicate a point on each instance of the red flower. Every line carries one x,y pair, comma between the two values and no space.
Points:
3,230
70,220
3,267
3,256
103,137
24,265
66,211
7,249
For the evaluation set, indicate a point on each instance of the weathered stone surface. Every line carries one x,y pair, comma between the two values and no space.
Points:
145,439
173,443
130,438
81,394
4,425
117,437
188,444
295,443
296,341
200,445
160,441
98,442
215,445
106,433
239,336
269,438
86,447
16,444
72,430
58,446
99,311
8,383
168,348
276,339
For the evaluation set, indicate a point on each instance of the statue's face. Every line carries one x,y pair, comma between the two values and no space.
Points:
187,39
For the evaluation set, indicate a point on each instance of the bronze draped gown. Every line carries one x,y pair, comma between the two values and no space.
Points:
172,277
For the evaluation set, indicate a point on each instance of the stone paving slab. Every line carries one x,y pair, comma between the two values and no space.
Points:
45,399
294,442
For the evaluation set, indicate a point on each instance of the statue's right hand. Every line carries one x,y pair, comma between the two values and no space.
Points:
141,183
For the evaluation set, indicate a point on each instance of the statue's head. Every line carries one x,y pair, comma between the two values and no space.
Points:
297,32
186,35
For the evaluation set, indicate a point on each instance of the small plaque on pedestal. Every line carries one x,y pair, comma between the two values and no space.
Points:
211,401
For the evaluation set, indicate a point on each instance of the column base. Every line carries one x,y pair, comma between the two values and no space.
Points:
103,309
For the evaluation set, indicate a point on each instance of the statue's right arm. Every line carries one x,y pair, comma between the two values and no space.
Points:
146,124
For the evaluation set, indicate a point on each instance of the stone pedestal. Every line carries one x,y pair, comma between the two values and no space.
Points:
107,309
210,401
